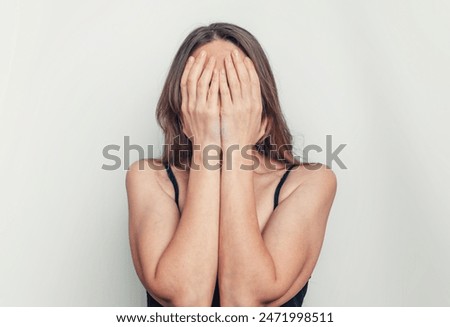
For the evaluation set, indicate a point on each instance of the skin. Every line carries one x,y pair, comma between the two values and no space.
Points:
228,228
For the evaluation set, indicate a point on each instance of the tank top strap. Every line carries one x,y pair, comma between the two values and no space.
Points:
173,179
280,184
174,183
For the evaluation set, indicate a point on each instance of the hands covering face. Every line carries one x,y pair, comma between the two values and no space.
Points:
221,107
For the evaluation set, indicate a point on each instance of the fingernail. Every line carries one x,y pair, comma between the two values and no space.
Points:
236,53
190,59
203,53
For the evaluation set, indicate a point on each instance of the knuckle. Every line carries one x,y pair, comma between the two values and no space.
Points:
201,83
245,79
200,93
211,92
192,79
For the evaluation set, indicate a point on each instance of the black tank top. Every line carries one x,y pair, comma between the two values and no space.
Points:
296,301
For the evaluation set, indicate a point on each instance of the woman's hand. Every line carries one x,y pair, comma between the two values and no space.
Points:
241,104
200,105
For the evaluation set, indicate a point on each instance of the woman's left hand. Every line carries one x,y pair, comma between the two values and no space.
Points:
241,103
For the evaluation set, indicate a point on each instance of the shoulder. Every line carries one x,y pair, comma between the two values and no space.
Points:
144,169
146,175
313,173
316,179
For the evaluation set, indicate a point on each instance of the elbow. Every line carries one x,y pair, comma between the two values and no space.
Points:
241,302
249,301
245,297
191,299
181,296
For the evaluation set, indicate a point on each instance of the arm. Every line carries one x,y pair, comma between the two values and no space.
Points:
176,258
258,269
242,253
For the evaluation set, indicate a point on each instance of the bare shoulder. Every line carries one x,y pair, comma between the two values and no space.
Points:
314,178
314,173
147,175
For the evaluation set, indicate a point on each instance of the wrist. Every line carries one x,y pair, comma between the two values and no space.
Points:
206,143
237,157
205,156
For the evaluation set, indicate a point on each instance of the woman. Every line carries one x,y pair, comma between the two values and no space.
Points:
216,221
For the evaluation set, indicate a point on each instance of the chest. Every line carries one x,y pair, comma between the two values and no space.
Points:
264,190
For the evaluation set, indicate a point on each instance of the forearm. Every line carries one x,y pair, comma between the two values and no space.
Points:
188,266
245,265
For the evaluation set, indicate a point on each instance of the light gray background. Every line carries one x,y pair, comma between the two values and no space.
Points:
76,76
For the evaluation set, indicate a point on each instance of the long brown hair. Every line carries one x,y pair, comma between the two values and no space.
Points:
277,141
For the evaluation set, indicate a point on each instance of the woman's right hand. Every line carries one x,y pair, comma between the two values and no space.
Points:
200,101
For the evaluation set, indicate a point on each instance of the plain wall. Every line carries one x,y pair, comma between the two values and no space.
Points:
76,76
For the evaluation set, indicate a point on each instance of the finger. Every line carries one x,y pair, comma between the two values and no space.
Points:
193,79
213,94
233,80
183,82
254,80
204,81
225,96
242,72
